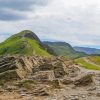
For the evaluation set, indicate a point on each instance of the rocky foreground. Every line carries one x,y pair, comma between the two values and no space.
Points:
41,78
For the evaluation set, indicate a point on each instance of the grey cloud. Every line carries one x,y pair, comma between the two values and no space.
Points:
19,6
10,16
74,21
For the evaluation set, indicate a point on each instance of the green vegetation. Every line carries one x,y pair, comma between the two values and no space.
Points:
17,44
87,65
64,49
95,59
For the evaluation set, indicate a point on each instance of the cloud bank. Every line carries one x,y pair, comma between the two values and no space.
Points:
73,21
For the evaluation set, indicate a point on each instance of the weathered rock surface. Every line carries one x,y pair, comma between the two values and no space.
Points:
40,92
84,80
42,78
22,67
66,81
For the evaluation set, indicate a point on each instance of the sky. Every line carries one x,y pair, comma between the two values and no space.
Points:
73,21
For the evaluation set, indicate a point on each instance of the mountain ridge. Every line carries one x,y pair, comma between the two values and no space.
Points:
64,49
87,50
25,43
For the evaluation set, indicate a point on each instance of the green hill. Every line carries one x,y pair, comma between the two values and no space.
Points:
64,49
24,43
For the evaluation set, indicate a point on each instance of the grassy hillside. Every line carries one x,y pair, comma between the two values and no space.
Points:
64,49
87,65
24,43
95,59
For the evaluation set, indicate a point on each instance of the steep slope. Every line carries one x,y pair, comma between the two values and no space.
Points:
87,50
64,49
24,43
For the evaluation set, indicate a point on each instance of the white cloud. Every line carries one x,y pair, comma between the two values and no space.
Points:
73,21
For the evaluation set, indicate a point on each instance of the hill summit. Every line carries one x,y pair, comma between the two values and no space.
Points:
28,34
24,43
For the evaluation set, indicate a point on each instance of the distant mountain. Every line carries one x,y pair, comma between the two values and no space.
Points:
24,43
64,49
87,50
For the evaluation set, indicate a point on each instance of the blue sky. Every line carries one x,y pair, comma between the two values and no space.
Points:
74,21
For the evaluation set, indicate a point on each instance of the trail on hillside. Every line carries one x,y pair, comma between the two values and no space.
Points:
89,61
84,70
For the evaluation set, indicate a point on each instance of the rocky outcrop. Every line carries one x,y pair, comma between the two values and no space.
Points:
7,63
66,81
36,67
42,78
20,66
8,68
84,80
40,92
42,69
